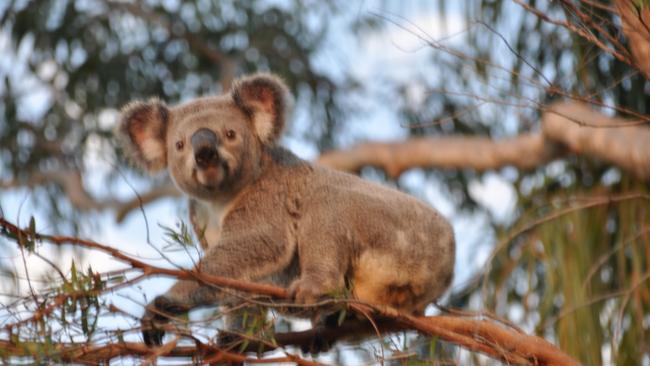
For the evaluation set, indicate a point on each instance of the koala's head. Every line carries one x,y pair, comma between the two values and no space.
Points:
212,145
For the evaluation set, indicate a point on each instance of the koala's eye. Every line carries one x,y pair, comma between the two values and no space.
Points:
230,134
179,145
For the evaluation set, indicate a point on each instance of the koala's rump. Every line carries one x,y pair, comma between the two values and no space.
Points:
402,250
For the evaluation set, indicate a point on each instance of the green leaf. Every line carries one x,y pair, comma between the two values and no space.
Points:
640,4
177,237
73,274
117,279
342,315
32,226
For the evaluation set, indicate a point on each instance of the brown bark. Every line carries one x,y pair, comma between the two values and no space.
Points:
572,126
526,151
627,146
636,27
479,335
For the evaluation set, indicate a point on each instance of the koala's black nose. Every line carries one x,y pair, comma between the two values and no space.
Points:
204,143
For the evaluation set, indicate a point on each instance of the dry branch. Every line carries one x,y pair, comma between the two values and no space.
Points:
566,127
72,184
481,153
627,147
479,335
636,27
592,38
95,354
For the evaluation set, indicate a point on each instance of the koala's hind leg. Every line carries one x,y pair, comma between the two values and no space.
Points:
386,278
323,265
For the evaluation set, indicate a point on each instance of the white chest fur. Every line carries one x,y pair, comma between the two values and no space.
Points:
208,220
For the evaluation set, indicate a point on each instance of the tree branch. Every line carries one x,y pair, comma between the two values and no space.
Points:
122,209
566,127
479,335
636,27
72,185
481,153
626,147
95,354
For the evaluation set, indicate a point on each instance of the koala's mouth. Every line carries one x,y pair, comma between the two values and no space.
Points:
213,177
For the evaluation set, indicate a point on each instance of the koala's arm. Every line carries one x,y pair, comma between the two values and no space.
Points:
252,257
245,257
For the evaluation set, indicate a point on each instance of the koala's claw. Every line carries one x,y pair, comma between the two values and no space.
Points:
318,344
151,334
153,337
156,315
168,306
305,291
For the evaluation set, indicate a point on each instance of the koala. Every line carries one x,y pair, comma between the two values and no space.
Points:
262,214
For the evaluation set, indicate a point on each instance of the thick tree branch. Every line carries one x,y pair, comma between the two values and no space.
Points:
479,335
627,147
72,185
636,27
565,127
481,153
97,354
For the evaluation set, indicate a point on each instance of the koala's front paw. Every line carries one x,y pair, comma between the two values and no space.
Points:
306,291
151,334
318,344
156,315
228,340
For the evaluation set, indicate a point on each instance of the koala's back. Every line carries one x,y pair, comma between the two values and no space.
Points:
402,251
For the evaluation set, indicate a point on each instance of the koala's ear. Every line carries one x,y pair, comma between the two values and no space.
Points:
265,99
143,130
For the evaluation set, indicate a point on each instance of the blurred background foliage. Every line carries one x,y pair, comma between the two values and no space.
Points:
570,262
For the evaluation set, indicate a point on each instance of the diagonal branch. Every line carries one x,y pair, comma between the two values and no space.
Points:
98,354
636,27
566,127
479,335
72,184
526,151
626,147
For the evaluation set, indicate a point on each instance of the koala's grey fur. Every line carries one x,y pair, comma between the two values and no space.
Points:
262,214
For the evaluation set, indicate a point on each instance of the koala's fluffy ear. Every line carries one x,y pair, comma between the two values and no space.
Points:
265,99
143,130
